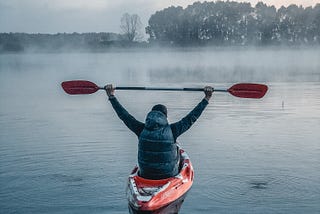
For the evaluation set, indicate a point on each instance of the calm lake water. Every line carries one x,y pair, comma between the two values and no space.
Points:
71,154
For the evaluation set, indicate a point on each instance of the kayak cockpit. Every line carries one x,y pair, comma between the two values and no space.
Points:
149,195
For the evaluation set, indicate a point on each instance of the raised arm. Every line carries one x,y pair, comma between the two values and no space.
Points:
133,124
185,123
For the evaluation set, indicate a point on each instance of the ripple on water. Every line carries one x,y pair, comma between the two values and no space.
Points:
249,189
61,189
66,178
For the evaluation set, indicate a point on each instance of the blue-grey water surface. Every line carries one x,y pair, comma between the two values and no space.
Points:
71,154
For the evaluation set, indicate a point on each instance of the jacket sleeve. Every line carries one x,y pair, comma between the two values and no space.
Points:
185,123
133,124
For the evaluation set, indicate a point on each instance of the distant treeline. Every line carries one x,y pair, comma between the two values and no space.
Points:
233,23
208,23
18,42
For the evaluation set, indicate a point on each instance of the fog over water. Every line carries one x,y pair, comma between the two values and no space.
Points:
71,154
177,66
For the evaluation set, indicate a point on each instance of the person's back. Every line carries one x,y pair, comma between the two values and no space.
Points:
158,155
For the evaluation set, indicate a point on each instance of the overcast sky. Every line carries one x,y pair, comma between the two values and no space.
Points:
52,16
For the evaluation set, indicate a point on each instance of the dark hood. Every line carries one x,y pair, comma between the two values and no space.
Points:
155,120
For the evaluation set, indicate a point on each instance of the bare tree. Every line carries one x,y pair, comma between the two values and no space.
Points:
131,27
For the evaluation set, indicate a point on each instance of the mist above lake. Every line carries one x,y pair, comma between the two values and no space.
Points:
161,66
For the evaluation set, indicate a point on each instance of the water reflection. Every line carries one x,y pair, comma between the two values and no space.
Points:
172,208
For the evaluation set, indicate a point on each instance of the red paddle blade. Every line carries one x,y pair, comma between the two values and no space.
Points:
248,90
79,87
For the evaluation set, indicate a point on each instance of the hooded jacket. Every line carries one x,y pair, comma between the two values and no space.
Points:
158,154
157,150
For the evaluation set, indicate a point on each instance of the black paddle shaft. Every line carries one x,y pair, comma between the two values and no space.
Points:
164,89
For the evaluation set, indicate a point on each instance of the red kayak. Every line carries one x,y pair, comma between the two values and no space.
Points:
157,196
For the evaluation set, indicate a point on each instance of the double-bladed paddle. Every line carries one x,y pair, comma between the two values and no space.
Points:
243,90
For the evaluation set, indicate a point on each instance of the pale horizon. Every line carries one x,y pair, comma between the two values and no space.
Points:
58,16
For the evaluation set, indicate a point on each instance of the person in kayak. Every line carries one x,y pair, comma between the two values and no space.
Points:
158,155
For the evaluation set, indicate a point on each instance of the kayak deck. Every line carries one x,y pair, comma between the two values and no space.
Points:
151,195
